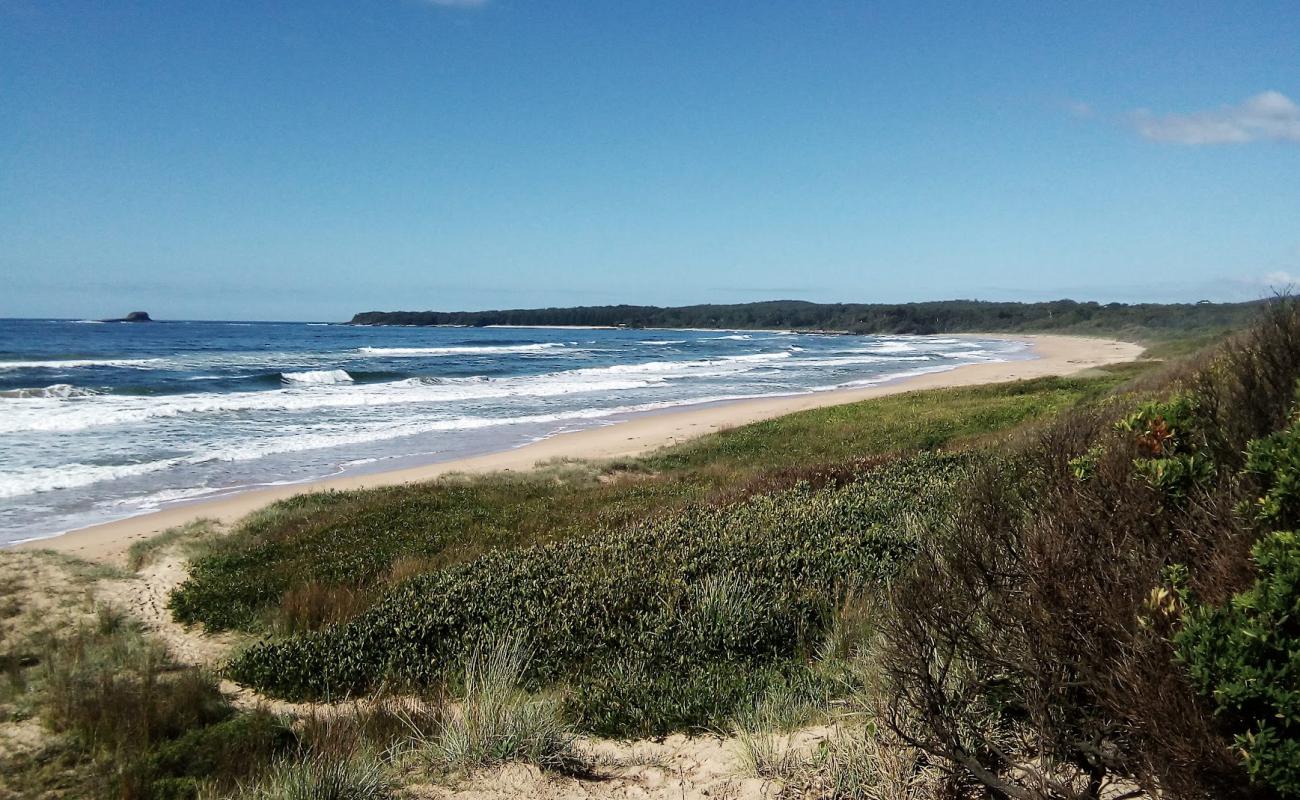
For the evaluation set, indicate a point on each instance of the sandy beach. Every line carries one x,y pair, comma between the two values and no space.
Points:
1054,355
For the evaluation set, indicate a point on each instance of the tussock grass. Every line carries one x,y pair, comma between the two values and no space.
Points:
494,720
361,777
863,763
762,735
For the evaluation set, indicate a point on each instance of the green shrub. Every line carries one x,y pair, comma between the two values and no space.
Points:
699,594
639,699
231,749
1169,438
1275,462
1245,657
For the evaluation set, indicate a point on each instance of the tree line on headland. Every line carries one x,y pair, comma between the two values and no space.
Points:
948,316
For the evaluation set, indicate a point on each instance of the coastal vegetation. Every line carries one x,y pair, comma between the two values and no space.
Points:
1075,587
1142,321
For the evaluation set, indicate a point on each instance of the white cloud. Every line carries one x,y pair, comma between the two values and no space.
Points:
1267,116
1280,279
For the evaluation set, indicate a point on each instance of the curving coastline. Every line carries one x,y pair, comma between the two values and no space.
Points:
634,435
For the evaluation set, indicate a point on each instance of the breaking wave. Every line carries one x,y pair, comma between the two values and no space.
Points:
317,377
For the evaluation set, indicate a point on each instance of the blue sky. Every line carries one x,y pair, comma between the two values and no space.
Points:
307,160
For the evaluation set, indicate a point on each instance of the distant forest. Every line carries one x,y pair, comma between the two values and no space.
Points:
948,316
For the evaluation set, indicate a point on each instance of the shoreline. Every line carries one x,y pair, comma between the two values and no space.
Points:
636,435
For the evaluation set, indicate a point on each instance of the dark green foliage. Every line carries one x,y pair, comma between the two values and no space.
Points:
354,538
635,700
230,749
743,584
1167,435
1245,656
1275,462
949,316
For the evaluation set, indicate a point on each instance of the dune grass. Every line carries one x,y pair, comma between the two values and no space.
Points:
494,720
117,716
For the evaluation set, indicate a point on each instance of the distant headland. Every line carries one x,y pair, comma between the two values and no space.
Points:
947,316
134,316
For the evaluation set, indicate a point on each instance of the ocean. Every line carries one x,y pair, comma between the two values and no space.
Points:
101,421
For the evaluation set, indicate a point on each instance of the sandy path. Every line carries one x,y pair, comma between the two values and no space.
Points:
1054,355
145,598
677,767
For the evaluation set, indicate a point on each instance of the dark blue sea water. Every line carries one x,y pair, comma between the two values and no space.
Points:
100,421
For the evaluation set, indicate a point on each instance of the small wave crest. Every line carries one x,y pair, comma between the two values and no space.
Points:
57,390
133,363
486,349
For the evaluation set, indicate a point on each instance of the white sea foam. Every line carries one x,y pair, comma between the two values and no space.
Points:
317,376
59,390
57,415
889,377
892,347
486,349
72,363
332,390
34,480
293,439
699,368
318,406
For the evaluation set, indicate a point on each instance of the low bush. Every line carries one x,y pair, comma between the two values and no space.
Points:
231,750
697,596
1245,657
640,699
1031,646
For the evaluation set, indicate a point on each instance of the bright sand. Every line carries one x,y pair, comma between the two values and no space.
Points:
1054,355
